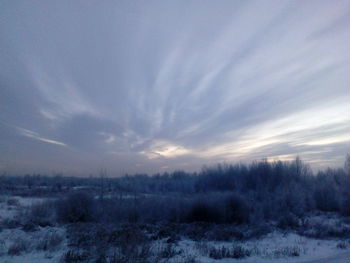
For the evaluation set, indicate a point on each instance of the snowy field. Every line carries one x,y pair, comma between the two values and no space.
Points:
23,243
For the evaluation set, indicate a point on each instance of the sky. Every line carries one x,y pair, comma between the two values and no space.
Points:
157,85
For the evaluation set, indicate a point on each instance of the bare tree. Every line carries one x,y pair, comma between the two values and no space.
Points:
347,163
103,174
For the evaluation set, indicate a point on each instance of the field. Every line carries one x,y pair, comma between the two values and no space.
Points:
177,217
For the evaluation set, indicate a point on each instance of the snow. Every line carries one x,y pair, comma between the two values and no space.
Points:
11,205
33,257
275,247
268,249
32,240
29,201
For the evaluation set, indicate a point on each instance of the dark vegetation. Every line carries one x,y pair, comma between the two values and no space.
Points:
225,194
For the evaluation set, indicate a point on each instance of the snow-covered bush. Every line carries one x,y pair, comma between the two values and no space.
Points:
50,241
202,211
10,223
345,204
288,221
325,227
224,233
75,255
342,245
236,210
288,251
167,251
12,202
237,252
42,214
77,207
18,247
326,199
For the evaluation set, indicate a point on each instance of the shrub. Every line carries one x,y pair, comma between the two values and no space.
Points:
29,227
73,256
219,253
77,207
237,252
293,251
342,245
10,223
42,214
237,210
203,212
12,202
134,254
345,205
107,243
258,231
2,248
322,229
240,252
140,255
190,259
288,221
167,251
50,241
18,247
197,231
225,233
326,199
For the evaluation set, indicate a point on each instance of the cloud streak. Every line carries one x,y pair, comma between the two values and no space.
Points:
36,136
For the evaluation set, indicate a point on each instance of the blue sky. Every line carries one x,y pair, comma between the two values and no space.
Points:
153,86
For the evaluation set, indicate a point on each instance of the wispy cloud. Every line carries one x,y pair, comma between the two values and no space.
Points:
164,149
171,85
64,97
36,136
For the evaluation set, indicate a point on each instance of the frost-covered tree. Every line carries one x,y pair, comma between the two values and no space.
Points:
347,164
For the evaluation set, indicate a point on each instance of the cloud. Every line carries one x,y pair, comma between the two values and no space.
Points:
165,149
36,136
173,85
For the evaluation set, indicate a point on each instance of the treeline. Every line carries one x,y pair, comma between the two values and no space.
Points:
257,176
283,192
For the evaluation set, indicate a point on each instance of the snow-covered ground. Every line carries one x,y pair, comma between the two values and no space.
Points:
16,245
44,245
49,244
11,205
276,247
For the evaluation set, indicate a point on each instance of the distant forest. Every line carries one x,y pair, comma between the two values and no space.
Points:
262,191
